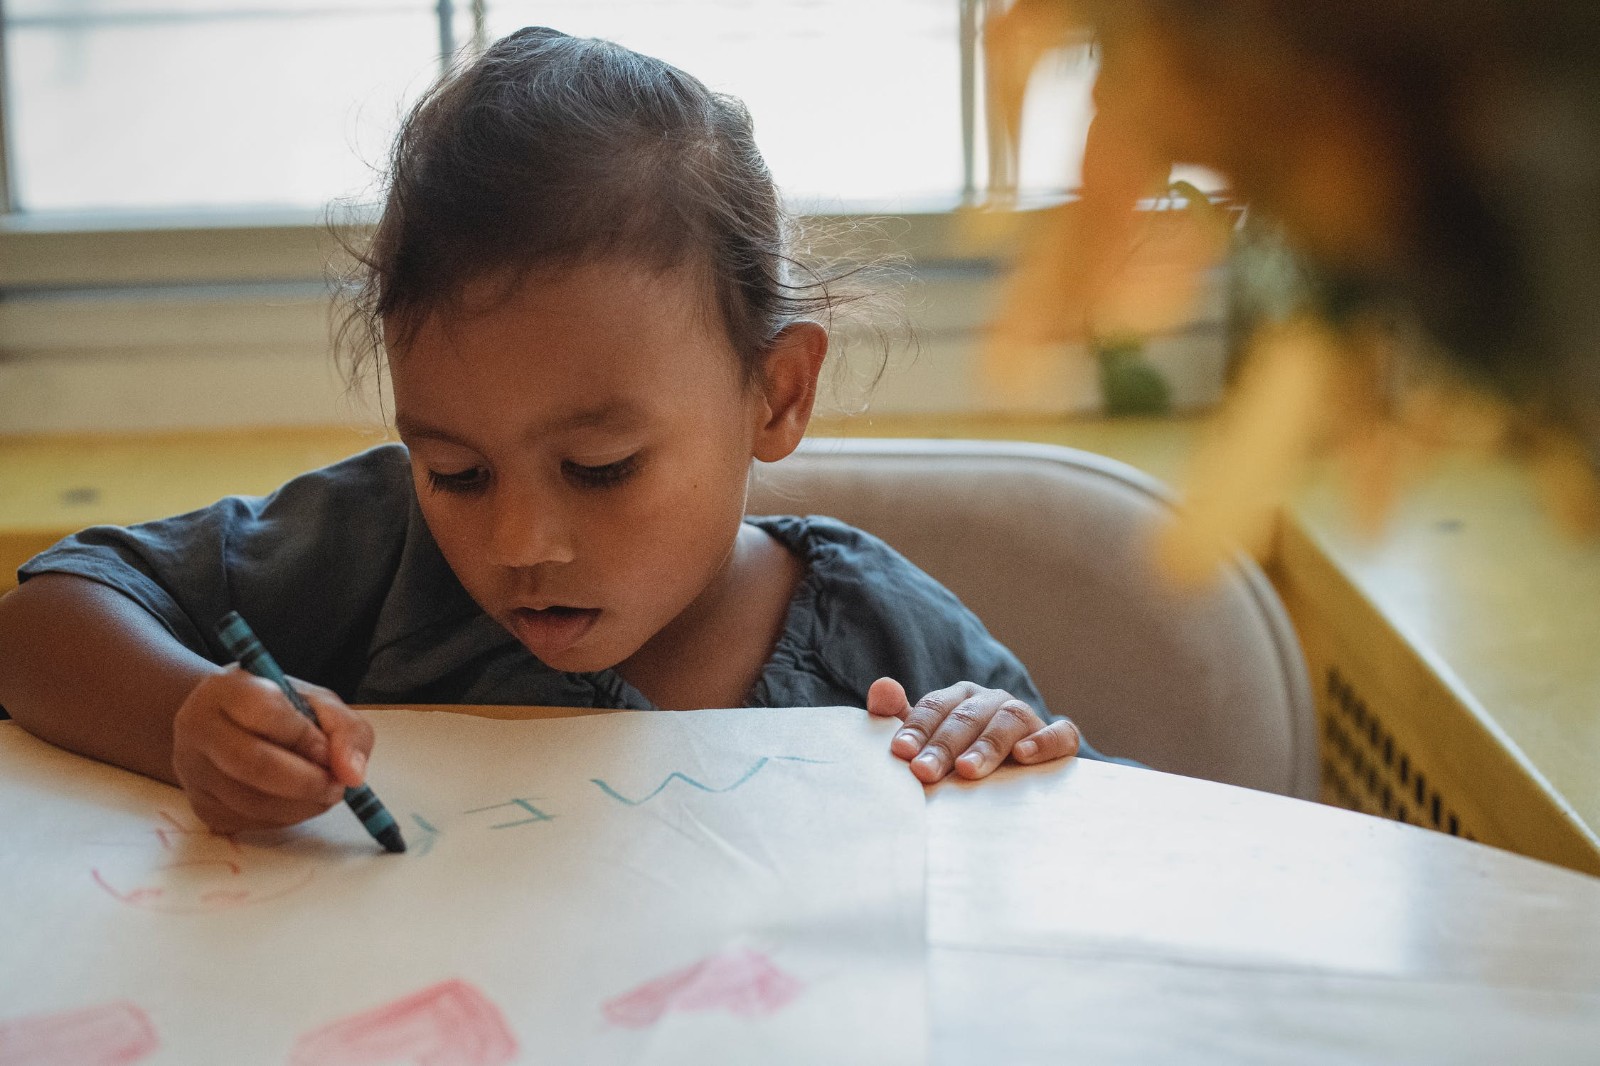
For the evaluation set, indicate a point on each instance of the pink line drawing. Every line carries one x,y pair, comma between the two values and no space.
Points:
447,1024
740,981
201,886
112,1034
197,872
178,830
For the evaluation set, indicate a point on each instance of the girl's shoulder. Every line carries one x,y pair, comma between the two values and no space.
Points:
365,498
366,495
379,473
331,545
852,565
864,610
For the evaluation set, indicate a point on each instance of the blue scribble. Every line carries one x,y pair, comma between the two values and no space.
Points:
425,844
538,815
686,779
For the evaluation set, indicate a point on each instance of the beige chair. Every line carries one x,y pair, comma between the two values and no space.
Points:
1050,547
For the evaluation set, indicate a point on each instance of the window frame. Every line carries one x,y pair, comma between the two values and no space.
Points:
53,250
7,189
92,303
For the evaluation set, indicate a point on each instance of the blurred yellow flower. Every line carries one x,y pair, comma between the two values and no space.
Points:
1308,115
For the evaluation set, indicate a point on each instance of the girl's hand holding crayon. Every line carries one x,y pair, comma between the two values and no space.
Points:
968,728
248,760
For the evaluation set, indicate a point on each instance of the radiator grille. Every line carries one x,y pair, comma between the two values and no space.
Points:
1366,769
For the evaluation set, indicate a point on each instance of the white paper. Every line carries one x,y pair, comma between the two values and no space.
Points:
710,886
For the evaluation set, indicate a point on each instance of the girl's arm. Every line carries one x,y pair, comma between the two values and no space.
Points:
89,670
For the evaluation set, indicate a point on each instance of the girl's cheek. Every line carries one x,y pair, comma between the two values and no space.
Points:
459,537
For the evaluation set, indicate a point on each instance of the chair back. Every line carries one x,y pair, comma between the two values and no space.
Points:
1051,548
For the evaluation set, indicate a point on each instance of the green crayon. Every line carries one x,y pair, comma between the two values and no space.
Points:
244,646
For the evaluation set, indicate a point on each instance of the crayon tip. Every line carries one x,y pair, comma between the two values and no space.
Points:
389,836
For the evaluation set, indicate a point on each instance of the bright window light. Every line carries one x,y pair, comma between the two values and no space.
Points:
119,105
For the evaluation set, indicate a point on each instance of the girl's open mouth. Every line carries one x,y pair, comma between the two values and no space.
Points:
549,631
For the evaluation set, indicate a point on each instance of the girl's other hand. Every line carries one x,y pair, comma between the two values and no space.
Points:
968,728
248,760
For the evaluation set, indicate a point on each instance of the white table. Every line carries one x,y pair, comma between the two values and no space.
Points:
1089,912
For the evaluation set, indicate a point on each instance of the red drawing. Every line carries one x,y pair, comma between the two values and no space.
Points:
175,830
199,872
112,1034
447,1024
199,886
740,981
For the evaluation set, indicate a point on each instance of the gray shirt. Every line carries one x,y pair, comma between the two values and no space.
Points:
337,573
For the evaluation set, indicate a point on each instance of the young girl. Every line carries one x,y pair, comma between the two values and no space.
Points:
580,288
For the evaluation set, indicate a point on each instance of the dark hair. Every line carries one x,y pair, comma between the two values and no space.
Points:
554,151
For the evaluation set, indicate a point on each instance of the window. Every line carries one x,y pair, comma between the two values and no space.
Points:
853,101
117,105
158,105
168,163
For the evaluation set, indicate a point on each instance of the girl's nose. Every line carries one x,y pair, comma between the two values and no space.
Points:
527,529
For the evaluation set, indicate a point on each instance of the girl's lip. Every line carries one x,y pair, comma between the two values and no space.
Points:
549,631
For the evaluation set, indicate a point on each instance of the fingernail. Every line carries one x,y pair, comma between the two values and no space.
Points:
971,760
359,762
1028,748
929,759
906,741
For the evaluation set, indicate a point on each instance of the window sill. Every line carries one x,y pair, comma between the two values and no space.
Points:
88,250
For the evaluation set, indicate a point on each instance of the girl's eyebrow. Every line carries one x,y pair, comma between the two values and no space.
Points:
612,414
410,428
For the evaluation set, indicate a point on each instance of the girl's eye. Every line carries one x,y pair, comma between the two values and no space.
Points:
462,481
602,477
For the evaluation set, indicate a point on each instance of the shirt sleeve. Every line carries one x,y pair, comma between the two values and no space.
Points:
308,566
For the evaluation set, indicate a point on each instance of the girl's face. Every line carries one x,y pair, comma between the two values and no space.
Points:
580,451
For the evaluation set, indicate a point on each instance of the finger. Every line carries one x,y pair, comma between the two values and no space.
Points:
926,716
219,817
349,735
956,733
263,808
887,699
1012,721
264,766
216,816
1057,740
259,706
226,805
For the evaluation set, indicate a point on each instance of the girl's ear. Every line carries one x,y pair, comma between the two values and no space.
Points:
789,389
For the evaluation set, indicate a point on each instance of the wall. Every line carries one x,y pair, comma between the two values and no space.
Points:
118,328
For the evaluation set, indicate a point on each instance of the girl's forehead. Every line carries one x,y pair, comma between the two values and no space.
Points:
603,283
610,296
554,348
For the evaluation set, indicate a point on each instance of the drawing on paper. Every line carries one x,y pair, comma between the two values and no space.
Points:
677,775
111,1034
206,872
558,923
447,1024
524,805
176,832
421,845
741,981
